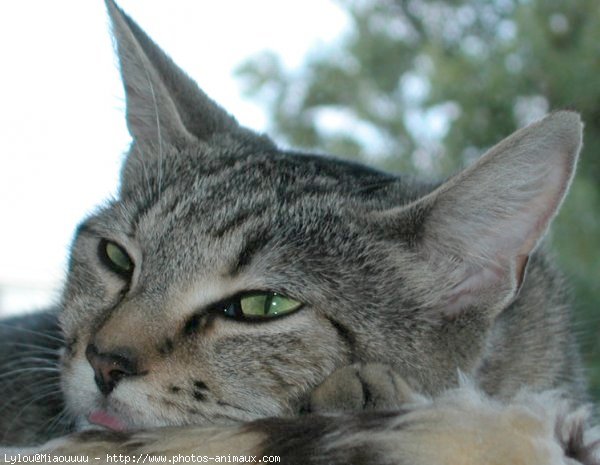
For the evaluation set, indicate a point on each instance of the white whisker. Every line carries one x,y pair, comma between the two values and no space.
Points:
45,395
34,348
30,370
158,130
24,361
54,424
31,331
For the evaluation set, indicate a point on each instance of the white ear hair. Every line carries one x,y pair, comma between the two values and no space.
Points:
152,114
162,101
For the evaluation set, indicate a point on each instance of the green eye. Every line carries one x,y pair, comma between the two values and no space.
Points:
116,258
259,305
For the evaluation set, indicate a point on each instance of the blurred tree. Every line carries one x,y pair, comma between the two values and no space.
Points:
426,86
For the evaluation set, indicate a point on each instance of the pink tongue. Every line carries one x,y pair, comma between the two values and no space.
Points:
101,418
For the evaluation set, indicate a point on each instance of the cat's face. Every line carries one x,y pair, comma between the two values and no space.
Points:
229,278
290,227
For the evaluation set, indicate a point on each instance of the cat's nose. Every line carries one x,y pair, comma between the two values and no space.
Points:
110,368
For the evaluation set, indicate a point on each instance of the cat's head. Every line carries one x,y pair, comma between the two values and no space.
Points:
230,277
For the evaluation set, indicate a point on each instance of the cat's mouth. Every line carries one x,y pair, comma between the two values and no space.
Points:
106,420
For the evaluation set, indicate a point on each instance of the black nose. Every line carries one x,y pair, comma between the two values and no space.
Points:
110,368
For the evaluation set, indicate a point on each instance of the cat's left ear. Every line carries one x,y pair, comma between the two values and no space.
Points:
163,104
474,234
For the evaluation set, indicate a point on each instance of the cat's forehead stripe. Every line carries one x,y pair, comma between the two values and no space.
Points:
250,247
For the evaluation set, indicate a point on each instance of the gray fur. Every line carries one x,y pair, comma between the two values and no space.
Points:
31,403
425,280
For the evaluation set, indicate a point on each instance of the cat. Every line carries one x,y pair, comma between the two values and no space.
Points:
240,299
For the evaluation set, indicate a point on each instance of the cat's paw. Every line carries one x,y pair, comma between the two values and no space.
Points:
574,432
362,386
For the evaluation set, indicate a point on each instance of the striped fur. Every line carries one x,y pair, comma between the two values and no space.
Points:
404,285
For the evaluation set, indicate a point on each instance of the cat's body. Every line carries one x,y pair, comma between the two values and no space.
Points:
232,282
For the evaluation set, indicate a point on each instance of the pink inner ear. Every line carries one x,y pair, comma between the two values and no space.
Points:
521,266
474,289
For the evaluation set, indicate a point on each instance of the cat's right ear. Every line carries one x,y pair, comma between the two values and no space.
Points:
163,104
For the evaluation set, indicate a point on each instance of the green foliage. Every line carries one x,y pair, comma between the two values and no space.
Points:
425,86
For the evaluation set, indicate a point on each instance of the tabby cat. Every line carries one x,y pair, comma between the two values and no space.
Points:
241,300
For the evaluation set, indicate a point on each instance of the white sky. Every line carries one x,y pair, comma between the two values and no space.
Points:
62,129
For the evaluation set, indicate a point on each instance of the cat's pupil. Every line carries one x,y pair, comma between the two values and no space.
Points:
256,305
